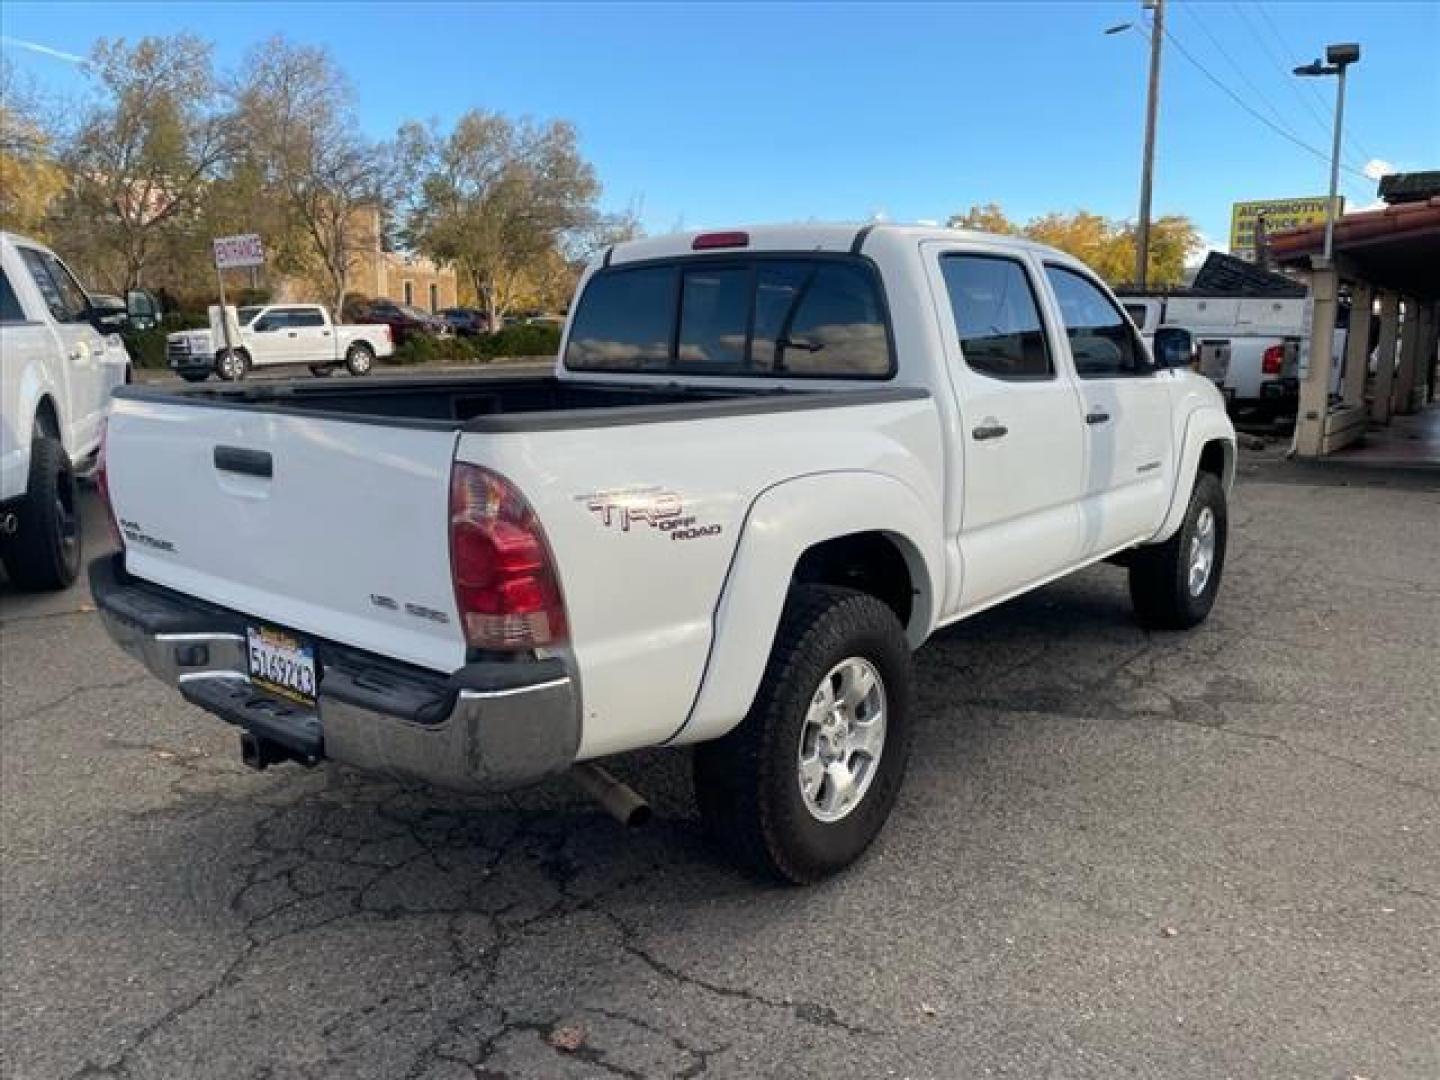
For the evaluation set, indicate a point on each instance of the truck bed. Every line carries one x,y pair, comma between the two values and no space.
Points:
489,404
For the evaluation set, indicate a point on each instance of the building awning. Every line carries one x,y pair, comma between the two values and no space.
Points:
1395,247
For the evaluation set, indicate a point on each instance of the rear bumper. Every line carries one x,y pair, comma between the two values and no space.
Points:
486,727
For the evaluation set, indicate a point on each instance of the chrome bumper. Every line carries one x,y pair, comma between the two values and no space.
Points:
487,727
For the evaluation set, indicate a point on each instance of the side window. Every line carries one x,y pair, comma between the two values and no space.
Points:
1102,343
837,326
10,309
996,317
1137,314
63,296
274,319
304,317
714,313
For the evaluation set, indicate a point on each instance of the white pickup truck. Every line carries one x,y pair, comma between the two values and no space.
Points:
769,465
275,335
59,358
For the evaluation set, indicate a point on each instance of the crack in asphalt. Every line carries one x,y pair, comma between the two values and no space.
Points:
76,692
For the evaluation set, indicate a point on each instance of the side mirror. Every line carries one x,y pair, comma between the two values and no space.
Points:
1174,348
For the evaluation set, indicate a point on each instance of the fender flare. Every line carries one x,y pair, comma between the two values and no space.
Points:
783,523
1202,427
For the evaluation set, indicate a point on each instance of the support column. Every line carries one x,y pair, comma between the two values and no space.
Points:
1385,357
1432,355
1357,344
1410,336
1315,383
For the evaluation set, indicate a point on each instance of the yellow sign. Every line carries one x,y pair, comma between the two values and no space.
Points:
1279,214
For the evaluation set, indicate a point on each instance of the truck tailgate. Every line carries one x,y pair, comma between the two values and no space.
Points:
334,527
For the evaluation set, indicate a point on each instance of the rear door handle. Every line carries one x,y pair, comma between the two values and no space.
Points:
240,459
990,431
1097,417
294,333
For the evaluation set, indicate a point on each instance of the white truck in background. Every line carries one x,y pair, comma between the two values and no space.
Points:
60,357
1253,347
770,463
276,335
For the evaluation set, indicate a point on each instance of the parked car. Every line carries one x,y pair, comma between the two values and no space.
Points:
60,359
404,320
1252,347
466,322
272,335
138,311
768,466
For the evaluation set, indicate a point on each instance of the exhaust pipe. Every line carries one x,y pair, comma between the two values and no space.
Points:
619,799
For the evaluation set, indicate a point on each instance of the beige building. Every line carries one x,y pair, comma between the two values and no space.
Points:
375,272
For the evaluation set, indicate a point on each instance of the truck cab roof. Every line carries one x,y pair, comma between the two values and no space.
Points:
853,237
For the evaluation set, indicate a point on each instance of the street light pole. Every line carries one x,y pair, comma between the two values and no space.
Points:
1147,167
1335,165
1339,58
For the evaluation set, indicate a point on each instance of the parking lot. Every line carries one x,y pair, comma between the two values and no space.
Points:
1205,855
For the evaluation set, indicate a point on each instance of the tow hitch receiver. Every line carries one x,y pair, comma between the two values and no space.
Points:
260,753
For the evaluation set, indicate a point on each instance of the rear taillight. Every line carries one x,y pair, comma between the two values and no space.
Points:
505,582
1273,362
102,485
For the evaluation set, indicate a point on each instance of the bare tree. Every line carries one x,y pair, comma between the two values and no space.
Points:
297,113
495,197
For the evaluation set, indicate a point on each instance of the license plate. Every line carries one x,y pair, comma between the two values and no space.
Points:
282,663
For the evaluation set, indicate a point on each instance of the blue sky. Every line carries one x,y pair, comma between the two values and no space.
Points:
728,113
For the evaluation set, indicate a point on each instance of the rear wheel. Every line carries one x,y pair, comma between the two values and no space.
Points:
358,359
232,364
1173,585
44,554
803,785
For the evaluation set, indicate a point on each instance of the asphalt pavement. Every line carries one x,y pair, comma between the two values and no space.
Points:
1213,854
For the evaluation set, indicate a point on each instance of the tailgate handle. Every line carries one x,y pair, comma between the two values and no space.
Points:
238,459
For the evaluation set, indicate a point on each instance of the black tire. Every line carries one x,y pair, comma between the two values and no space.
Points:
747,783
44,554
195,376
1160,575
232,371
359,359
321,371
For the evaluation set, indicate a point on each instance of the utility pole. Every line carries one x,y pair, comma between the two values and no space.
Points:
1147,167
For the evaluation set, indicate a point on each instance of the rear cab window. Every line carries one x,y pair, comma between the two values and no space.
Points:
782,316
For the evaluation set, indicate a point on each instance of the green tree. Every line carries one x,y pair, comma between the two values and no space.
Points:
495,197
145,150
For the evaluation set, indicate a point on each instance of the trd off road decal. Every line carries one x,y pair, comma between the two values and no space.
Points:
633,510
